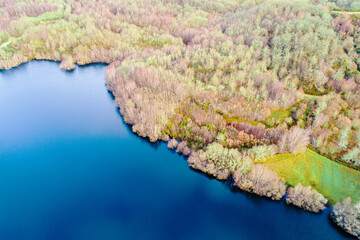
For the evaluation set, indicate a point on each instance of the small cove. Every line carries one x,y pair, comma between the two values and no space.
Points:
70,168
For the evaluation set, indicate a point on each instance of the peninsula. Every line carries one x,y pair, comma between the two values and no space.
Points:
264,93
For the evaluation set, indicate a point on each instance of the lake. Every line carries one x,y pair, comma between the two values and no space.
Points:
70,168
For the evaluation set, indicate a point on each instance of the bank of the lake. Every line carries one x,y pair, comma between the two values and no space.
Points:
334,180
71,169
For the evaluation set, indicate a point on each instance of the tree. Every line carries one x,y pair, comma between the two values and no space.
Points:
67,62
306,198
262,181
347,216
295,140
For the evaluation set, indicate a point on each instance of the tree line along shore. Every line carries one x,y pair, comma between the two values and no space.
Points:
256,91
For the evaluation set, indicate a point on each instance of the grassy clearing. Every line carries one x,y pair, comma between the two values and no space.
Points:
333,180
277,116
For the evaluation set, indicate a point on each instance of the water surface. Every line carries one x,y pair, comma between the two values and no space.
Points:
71,169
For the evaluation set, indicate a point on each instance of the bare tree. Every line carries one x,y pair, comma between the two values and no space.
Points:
295,140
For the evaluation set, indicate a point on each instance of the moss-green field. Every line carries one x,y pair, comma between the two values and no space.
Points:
335,181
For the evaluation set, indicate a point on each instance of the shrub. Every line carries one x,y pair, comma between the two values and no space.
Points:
306,198
199,162
347,216
262,181
261,153
172,144
183,149
295,140
224,158
67,62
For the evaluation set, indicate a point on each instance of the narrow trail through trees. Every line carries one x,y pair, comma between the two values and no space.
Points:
349,12
5,44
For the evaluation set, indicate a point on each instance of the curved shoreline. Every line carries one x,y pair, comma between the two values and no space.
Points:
284,197
229,84
146,137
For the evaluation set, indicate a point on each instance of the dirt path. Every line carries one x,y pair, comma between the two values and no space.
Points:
312,96
4,44
351,13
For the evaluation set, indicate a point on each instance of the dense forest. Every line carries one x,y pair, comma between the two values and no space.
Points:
349,5
228,83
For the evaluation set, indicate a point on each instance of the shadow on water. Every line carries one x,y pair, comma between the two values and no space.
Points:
82,67
92,65
229,184
341,231
24,65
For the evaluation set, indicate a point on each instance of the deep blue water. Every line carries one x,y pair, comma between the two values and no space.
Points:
71,169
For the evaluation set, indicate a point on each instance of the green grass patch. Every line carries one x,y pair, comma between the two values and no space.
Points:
236,119
277,116
6,48
335,181
59,13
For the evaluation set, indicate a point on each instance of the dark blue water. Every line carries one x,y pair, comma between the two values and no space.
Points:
71,169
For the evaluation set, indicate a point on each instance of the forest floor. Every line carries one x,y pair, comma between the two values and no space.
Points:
333,180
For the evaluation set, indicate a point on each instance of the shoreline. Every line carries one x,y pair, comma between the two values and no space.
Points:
242,90
188,153
146,138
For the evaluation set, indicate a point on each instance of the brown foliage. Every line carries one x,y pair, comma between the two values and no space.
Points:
242,139
67,62
147,97
183,149
347,217
15,60
262,181
172,144
306,198
30,10
256,132
343,24
197,162
295,140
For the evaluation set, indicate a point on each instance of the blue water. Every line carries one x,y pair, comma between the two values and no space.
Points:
71,169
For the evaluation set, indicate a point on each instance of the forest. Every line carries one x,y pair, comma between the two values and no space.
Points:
230,84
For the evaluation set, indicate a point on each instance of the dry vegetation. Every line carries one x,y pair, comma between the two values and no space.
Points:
234,81
347,216
306,198
262,181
